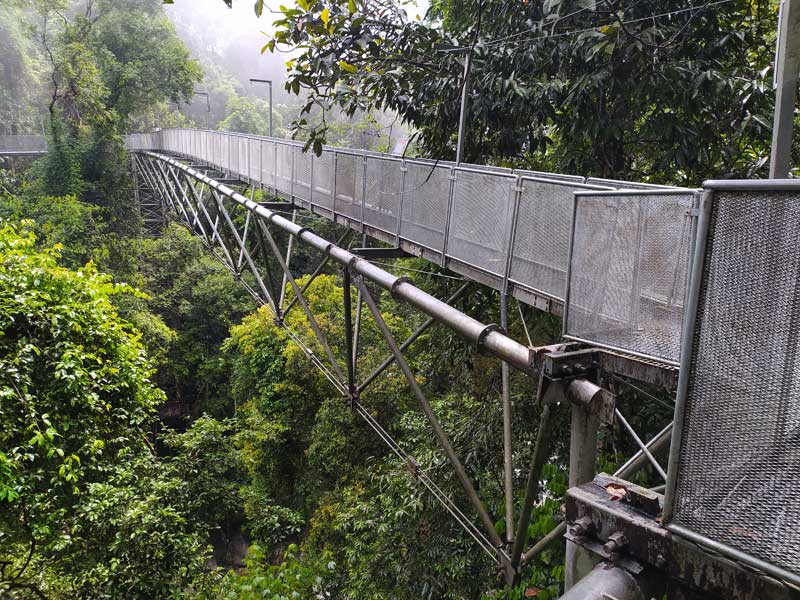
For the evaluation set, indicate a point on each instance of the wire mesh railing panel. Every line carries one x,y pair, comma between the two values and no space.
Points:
480,218
426,190
544,225
381,194
323,180
268,161
254,159
303,165
628,270
283,169
345,201
738,469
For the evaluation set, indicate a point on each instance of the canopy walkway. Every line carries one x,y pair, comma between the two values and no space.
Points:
695,292
618,276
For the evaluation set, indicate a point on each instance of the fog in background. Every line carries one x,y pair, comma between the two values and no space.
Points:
234,35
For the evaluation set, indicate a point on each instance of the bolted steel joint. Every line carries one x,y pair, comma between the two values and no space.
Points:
616,542
582,527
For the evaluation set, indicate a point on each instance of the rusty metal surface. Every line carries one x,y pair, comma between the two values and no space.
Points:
615,506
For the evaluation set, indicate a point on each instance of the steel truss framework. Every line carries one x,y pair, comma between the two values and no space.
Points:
246,237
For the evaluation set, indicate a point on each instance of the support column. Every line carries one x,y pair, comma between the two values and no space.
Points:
607,581
582,461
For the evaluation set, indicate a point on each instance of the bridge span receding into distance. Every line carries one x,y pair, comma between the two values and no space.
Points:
611,257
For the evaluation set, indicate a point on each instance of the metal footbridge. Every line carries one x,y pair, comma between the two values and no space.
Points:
695,292
611,256
22,145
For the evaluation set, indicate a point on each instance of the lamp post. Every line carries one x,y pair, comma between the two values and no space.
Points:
787,66
269,83
462,116
208,105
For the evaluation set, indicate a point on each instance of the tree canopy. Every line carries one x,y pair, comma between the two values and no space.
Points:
666,92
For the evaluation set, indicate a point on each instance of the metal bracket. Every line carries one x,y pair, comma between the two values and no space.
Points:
278,205
569,364
369,253
609,509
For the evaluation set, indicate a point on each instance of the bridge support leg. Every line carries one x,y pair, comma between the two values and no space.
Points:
582,460
607,581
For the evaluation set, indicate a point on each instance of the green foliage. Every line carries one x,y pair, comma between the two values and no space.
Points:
204,456
294,577
141,58
87,509
135,535
250,115
196,297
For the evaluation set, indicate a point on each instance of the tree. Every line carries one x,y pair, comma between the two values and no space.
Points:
250,115
669,92
108,63
86,508
198,299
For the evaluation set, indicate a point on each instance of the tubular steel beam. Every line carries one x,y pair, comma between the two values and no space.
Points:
487,337
607,581
508,462
411,339
321,338
314,274
348,334
532,487
641,445
442,437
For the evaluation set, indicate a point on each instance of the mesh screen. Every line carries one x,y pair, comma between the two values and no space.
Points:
254,156
629,269
345,202
425,195
302,174
244,156
541,246
323,179
739,464
383,189
479,220
283,176
267,164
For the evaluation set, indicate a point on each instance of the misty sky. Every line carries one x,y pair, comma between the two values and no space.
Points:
242,19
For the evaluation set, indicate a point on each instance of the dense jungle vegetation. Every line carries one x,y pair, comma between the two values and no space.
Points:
160,435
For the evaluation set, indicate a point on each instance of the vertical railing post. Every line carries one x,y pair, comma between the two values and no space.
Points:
333,187
448,215
403,171
364,193
512,234
508,465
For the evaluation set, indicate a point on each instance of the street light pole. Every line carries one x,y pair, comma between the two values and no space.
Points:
462,115
269,83
787,66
